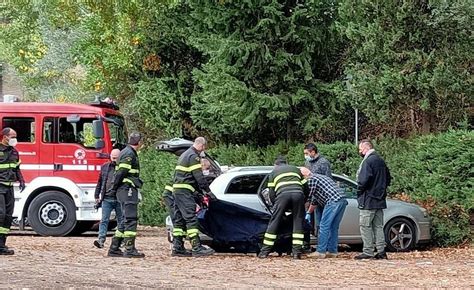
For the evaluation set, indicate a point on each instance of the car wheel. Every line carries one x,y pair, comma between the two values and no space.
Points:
52,213
400,235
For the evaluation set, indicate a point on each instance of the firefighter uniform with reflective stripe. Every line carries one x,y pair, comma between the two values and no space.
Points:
179,233
9,173
175,216
188,181
285,185
126,184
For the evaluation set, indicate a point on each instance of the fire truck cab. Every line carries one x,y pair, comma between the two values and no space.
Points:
62,148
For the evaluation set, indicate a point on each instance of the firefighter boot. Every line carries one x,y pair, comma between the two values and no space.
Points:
178,248
198,249
130,250
4,250
114,250
296,253
264,251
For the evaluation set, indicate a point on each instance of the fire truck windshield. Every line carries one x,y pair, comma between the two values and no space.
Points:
118,134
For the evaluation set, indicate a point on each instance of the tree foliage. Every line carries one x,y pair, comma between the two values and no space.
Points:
267,74
411,61
252,71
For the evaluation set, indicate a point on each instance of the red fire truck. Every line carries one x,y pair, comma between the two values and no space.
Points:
62,148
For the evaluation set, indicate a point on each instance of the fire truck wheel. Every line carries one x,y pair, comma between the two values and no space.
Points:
52,213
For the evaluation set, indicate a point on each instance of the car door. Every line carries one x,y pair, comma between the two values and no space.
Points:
243,190
349,227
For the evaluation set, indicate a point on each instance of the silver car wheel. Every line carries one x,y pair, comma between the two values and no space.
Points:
401,235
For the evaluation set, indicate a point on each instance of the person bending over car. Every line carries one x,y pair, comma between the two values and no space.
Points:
285,185
188,179
324,192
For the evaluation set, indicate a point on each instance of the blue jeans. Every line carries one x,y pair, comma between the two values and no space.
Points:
319,213
329,226
109,204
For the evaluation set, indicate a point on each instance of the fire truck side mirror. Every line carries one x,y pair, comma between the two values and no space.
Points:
98,129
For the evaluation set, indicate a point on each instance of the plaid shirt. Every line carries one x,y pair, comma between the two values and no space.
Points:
323,189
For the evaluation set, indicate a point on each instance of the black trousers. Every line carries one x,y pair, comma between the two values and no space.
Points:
185,211
7,201
128,198
179,224
285,201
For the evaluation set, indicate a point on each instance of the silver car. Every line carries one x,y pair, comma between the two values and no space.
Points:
405,224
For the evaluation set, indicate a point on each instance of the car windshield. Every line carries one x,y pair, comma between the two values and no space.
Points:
118,133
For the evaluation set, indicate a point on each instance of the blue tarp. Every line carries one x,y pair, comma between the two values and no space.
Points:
233,227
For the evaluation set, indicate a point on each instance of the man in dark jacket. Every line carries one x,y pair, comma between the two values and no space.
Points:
105,199
9,173
373,178
285,185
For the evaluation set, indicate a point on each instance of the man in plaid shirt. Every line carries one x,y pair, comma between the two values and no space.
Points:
324,192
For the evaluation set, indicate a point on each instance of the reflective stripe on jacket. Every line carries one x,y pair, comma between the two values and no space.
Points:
285,178
127,169
9,165
188,173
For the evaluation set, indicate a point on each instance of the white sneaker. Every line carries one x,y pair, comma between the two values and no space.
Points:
331,255
317,255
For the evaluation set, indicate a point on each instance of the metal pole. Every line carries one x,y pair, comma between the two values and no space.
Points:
356,126
348,80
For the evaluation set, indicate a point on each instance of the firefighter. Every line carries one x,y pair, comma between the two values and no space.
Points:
179,233
126,185
9,173
189,181
286,191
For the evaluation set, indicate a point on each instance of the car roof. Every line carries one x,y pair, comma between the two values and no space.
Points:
220,183
268,169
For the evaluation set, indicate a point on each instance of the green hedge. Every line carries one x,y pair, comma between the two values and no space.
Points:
435,171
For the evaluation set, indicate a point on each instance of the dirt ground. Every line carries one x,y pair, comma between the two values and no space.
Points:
75,262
